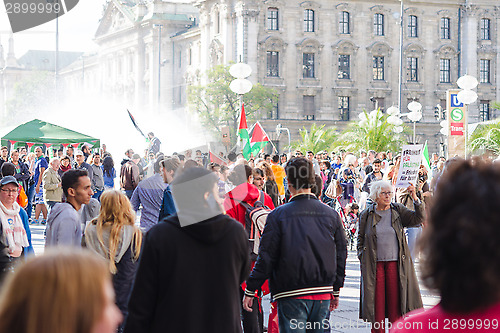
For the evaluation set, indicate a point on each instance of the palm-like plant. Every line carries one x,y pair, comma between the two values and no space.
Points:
316,139
486,137
372,132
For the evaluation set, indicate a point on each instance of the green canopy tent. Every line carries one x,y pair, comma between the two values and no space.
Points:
41,132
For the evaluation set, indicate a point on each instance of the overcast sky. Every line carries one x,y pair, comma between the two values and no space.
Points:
76,30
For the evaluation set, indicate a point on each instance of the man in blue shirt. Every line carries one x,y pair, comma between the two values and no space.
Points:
149,195
40,166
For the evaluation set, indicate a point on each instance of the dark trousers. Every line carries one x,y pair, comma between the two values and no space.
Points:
387,300
31,197
253,322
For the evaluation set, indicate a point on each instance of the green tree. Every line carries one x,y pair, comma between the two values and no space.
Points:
316,139
486,137
372,132
32,94
218,106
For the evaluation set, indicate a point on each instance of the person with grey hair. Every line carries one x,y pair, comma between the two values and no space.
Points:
52,183
389,286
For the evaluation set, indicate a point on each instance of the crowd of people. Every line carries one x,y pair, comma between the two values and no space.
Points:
214,238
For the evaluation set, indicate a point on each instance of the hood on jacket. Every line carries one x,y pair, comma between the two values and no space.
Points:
244,192
208,231
57,210
126,237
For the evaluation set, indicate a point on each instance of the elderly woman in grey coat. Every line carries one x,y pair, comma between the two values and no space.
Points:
389,286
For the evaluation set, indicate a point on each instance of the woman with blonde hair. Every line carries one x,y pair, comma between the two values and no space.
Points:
114,236
59,292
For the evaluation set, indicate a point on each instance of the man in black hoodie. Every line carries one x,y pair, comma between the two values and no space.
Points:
192,265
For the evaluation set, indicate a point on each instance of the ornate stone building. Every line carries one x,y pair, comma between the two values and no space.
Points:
328,59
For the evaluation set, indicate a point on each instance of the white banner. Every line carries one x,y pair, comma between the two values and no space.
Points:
411,158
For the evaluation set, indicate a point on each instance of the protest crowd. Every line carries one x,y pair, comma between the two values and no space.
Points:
217,233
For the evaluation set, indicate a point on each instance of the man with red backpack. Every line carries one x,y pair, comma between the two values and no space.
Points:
243,204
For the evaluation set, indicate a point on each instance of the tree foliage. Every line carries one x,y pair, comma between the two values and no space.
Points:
486,137
316,139
32,94
372,132
217,106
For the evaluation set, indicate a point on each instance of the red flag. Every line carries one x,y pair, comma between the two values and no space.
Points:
48,144
12,142
215,159
75,145
65,145
259,135
30,144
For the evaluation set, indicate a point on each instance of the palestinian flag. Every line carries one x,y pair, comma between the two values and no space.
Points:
135,124
259,139
425,158
243,134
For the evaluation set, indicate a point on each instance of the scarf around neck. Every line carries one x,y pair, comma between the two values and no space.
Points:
14,234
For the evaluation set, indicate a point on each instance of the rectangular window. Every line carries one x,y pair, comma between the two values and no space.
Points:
273,64
412,26
484,71
309,20
444,71
309,107
485,29
445,28
344,23
274,113
344,66
484,110
378,68
413,69
344,107
272,19
308,66
378,24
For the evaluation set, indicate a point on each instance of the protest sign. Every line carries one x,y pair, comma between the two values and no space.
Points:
410,163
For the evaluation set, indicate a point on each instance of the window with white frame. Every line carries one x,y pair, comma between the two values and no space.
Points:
309,20
344,107
444,71
412,69
484,71
484,110
273,64
308,66
344,23
344,66
485,29
272,19
378,68
412,26
445,28
378,24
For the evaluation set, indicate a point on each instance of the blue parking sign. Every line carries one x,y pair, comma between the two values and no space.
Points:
455,103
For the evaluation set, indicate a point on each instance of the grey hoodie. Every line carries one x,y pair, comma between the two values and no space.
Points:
63,226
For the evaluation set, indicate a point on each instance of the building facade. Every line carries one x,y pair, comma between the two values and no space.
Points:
327,59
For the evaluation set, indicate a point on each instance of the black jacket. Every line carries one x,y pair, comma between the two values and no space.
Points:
189,278
303,246
123,279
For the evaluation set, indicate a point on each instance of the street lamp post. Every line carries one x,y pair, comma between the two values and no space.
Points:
395,117
240,85
467,96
